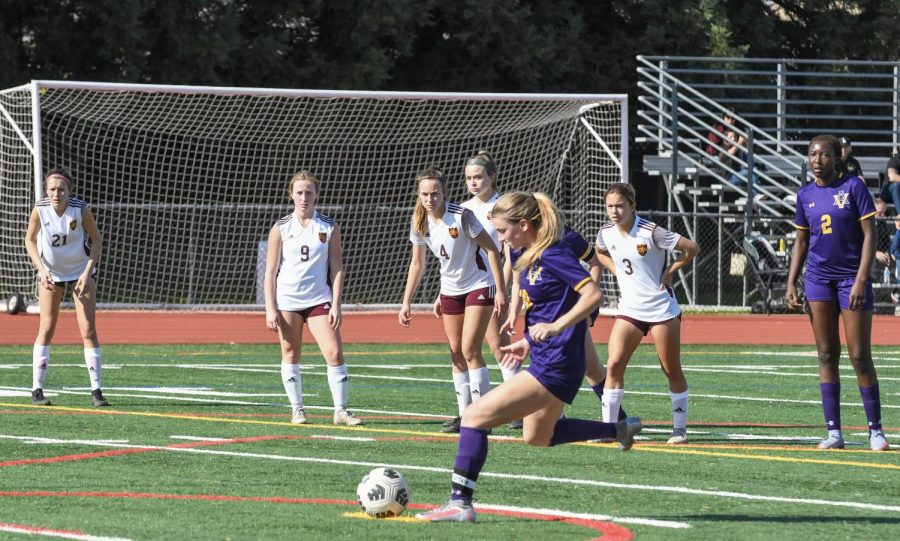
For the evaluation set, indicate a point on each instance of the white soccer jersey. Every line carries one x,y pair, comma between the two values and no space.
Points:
303,276
640,258
464,267
62,242
481,211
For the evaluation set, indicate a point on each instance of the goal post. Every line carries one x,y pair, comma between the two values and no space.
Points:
186,181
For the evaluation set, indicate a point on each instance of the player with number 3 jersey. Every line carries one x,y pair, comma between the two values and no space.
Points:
636,251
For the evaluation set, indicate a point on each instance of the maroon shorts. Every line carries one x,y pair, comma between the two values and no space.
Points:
314,311
645,326
453,305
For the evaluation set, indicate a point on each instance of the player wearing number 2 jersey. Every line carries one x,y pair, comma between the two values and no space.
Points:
472,289
64,245
835,230
636,250
303,284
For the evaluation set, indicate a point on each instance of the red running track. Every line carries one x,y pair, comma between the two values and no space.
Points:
141,327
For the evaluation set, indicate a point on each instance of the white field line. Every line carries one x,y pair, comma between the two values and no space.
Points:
516,477
47,532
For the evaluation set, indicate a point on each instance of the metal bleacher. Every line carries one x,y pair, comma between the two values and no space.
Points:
778,106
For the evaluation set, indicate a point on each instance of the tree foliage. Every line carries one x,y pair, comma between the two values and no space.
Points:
474,45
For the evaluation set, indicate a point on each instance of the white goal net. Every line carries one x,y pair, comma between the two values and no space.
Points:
185,182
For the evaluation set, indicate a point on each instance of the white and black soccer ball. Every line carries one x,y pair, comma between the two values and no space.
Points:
383,493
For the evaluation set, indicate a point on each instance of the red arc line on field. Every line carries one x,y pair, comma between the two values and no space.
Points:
609,530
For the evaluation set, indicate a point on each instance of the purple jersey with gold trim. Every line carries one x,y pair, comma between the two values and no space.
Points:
549,289
580,247
832,214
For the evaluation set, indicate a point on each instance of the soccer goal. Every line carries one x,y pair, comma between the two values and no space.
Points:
185,182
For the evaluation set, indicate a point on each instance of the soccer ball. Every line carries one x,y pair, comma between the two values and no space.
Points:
383,493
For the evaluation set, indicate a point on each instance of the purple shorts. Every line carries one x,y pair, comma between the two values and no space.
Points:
453,305
831,290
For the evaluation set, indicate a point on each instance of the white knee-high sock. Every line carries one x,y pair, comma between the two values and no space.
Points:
338,383
92,360
40,358
479,382
507,373
463,396
610,404
290,377
679,409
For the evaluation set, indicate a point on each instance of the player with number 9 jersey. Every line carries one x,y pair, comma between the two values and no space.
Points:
303,276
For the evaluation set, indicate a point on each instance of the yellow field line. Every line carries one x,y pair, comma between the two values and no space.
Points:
419,433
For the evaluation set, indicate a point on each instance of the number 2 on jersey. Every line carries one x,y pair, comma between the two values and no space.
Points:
826,224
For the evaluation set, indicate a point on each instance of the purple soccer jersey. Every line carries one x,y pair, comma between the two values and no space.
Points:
548,289
832,214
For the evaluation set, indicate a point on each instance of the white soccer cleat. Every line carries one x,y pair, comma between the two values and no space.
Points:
679,437
452,511
626,430
877,441
345,417
298,417
832,442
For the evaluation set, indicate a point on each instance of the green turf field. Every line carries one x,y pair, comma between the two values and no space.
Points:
198,445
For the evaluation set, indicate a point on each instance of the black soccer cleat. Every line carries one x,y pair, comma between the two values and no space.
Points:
38,398
453,428
97,398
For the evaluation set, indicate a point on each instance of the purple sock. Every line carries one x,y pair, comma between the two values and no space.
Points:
470,457
831,404
569,430
871,399
598,389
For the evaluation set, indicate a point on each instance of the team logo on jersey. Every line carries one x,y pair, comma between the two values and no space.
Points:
642,249
73,224
840,199
454,232
534,274
323,236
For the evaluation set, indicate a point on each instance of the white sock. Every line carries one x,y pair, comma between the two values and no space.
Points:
463,397
290,377
612,401
479,382
507,373
40,358
92,360
679,409
337,381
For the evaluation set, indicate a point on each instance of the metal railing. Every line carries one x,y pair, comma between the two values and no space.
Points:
795,100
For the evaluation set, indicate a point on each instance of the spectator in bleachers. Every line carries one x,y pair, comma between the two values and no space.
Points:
715,136
890,190
851,164
884,230
736,155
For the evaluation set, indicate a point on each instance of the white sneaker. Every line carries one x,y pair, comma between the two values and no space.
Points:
832,442
877,441
299,416
452,511
679,436
344,417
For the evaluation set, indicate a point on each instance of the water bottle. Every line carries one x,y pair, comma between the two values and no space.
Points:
886,277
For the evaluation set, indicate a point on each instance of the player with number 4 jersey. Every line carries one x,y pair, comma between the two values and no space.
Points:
636,251
472,289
